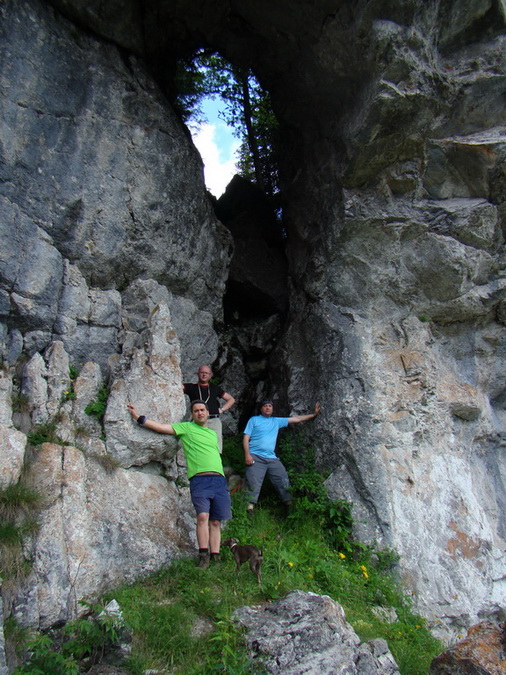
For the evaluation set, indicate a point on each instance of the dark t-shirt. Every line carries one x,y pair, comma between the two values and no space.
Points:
210,394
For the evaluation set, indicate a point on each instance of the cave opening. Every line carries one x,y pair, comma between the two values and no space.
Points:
256,297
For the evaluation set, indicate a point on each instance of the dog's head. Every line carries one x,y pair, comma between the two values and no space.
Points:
230,541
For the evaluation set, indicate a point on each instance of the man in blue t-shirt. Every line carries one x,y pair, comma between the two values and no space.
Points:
259,443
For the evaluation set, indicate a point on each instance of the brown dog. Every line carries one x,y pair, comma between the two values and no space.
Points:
244,553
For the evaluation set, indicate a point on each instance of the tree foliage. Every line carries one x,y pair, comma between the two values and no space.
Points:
247,109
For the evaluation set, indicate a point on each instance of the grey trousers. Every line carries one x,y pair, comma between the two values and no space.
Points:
276,472
215,424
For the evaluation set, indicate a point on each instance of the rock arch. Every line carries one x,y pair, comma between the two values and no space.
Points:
393,184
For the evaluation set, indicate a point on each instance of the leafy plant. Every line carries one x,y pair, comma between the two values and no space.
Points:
43,660
226,648
44,433
70,394
233,454
338,524
81,640
88,638
386,559
311,497
98,406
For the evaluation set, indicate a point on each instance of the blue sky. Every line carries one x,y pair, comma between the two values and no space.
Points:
217,147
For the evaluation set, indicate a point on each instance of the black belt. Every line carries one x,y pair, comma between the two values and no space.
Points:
211,417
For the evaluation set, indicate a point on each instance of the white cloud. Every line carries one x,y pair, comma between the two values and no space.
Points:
218,172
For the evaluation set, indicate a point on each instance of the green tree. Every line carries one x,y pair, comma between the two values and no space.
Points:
247,110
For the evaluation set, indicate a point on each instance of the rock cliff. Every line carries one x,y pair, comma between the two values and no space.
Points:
112,261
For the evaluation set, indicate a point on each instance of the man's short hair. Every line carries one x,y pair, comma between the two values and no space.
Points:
266,401
198,400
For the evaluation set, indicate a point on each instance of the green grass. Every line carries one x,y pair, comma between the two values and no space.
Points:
10,535
165,610
181,616
17,503
45,433
17,496
19,402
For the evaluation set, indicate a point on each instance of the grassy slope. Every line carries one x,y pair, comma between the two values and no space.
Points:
181,616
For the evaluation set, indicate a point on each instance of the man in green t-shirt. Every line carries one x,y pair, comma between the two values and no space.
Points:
208,485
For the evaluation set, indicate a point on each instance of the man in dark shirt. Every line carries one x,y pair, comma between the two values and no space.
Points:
211,394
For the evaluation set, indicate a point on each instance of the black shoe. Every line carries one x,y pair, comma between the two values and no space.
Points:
203,561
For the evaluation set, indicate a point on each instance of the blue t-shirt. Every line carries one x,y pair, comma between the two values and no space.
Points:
263,433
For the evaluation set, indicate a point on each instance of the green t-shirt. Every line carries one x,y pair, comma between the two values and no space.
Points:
200,445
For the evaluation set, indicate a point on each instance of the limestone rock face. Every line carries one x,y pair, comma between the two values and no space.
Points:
13,445
113,265
152,381
306,633
111,511
98,527
258,272
117,205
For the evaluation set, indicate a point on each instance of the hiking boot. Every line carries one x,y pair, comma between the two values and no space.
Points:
203,561
250,511
215,558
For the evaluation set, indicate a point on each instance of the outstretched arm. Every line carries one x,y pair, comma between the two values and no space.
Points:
305,418
151,424
229,402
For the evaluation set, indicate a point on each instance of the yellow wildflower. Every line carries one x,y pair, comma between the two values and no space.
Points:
363,568
342,556
291,564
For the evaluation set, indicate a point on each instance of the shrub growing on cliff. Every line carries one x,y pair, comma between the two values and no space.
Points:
310,495
45,433
98,407
76,648
44,659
